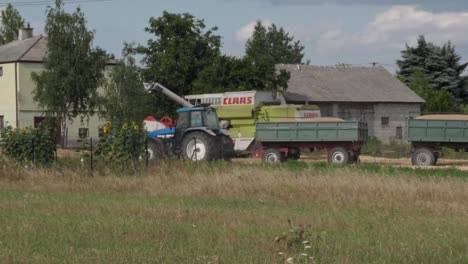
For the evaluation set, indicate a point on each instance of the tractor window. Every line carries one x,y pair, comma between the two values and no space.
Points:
183,120
196,119
211,119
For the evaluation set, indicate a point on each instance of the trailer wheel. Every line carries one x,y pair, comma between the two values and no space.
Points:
353,157
198,146
423,157
272,156
226,148
294,153
156,149
338,155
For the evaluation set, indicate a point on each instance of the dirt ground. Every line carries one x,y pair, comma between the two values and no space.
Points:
406,162
401,162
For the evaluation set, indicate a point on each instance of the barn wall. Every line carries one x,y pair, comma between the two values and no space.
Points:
372,114
398,115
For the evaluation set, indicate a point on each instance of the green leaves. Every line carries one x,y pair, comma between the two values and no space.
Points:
181,48
28,144
437,101
268,47
121,143
11,23
125,98
441,65
73,69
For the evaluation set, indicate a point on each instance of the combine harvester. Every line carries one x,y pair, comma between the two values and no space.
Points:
196,135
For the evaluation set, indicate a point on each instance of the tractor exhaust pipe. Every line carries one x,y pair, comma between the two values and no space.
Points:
159,88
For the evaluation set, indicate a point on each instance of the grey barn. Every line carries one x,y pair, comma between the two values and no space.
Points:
369,94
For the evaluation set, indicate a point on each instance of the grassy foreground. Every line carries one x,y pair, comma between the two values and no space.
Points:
233,213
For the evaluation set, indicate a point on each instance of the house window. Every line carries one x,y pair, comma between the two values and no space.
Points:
1,71
2,126
83,132
385,121
399,133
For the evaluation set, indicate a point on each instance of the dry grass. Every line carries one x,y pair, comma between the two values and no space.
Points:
230,213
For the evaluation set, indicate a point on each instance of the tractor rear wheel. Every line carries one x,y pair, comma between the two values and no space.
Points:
198,146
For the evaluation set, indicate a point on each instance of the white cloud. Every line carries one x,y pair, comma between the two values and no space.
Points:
397,26
245,32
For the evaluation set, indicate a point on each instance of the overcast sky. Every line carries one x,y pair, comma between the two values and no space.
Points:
357,32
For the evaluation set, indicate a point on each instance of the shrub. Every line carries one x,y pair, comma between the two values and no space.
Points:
121,143
28,144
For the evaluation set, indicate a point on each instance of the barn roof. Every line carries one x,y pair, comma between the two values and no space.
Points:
345,84
28,50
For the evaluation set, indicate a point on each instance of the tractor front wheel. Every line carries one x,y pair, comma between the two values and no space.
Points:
156,149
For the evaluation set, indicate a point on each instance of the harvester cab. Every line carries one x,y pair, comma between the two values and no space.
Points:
196,136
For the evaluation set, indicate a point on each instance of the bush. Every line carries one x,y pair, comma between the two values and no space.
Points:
28,144
121,143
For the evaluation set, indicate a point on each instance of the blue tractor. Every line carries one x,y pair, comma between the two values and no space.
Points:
197,135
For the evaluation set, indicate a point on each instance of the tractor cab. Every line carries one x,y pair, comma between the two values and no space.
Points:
197,117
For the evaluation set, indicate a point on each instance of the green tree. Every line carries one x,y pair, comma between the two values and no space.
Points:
182,47
11,23
226,73
441,65
125,98
265,49
437,101
67,88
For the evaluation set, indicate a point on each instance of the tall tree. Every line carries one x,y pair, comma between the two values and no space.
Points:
182,47
437,101
225,74
441,65
268,47
67,88
125,98
11,23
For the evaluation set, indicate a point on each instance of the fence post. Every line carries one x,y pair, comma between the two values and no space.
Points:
34,152
91,156
146,152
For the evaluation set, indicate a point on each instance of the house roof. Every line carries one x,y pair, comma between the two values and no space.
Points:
28,50
345,84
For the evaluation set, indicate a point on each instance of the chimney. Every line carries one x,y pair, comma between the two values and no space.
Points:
25,33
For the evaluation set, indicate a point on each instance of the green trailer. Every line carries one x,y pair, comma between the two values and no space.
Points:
279,141
428,134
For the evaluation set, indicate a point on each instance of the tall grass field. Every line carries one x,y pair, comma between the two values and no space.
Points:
175,212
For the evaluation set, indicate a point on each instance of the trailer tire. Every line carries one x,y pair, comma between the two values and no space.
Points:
226,151
272,155
423,157
156,149
294,153
353,157
339,156
199,146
